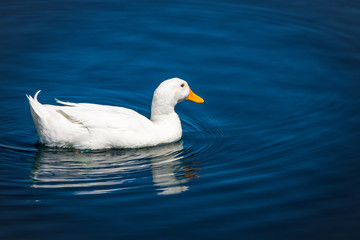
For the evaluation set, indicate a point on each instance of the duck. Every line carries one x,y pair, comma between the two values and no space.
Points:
94,126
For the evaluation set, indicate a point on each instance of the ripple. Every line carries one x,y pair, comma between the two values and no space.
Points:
273,148
18,149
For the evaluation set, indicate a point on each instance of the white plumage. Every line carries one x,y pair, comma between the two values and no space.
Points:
94,126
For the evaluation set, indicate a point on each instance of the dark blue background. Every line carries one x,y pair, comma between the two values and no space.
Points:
272,153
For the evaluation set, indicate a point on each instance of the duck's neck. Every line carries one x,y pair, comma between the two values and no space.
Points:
161,111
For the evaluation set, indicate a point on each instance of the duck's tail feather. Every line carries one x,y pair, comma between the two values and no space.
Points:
37,111
34,104
35,97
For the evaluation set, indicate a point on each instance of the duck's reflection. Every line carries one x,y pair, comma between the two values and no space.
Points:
114,170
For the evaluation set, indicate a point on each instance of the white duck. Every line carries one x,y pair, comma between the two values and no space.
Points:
93,126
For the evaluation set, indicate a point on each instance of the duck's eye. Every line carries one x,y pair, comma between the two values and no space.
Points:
182,85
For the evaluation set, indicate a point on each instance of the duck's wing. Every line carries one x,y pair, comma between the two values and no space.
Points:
102,116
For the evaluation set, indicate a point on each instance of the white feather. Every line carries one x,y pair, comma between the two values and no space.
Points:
93,126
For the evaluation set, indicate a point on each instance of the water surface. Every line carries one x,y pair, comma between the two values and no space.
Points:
271,154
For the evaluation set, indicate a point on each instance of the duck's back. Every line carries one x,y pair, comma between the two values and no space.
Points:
90,126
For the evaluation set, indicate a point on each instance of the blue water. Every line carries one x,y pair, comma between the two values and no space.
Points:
273,153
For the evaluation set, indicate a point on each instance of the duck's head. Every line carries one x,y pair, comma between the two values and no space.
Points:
170,92
175,90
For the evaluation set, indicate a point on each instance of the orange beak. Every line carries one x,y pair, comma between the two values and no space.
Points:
193,97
